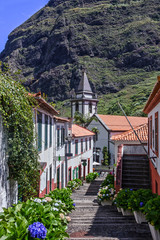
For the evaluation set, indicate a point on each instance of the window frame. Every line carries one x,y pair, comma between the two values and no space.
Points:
46,132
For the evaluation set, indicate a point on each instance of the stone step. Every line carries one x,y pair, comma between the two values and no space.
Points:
136,157
99,238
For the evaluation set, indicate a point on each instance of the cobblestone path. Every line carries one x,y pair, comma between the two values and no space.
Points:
92,221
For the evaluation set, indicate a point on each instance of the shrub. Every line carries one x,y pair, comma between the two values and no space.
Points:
15,221
108,180
74,184
152,211
139,198
122,197
91,177
106,193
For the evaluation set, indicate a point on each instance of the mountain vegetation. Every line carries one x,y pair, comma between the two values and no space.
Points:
117,41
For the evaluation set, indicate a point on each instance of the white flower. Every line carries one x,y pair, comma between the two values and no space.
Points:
44,200
61,216
37,200
56,204
68,218
55,209
59,201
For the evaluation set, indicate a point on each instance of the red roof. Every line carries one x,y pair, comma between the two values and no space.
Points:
154,97
141,131
78,131
43,104
62,119
119,123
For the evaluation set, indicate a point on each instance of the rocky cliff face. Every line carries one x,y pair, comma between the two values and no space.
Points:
116,40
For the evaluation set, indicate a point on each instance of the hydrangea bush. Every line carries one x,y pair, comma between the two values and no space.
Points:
38,218
91,177
139,198
122,197
106,193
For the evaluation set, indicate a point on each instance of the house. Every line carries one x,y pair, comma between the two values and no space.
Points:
152,108
65,149
108,126
132,163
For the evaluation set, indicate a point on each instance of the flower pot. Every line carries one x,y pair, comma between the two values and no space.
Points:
139,217
118,209
155,233
126,212
106,202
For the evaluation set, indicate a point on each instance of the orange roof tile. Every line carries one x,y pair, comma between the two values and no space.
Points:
120,123
142,132
62,119
78,131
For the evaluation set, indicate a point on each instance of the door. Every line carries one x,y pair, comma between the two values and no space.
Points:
58,178
79,172
84,172
88,165
62,175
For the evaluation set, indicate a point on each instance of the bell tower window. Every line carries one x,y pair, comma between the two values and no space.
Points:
77,107
90,107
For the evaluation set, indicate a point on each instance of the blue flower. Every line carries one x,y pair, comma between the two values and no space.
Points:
141,204
131,189
37,230
74,204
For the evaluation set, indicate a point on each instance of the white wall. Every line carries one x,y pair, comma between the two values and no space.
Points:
8,189
156,160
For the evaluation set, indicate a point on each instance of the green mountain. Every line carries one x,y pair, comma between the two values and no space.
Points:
117,41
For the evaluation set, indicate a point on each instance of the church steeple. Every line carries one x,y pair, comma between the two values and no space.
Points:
84,85
85,102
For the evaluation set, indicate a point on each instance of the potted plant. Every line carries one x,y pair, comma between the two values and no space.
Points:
108,180
152,211
91,177
122,201
137,202
106,194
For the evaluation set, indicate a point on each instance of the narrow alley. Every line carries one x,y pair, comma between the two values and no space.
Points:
93,221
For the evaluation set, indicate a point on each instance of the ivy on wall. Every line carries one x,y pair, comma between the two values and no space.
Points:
16,108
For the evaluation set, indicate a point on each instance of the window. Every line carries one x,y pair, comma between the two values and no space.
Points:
90,107
76,147
77,107
156,133
58,137
62,136
39,120
150,132
46,131
69,147
86,145
89,143
50,131
81,145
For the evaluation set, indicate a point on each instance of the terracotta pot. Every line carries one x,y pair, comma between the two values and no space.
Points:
126,212
139,217
155,233
106,202
118,209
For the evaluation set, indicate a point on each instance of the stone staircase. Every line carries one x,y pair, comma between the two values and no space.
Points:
135,172
92,221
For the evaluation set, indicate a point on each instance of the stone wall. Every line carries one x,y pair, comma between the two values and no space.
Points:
8,189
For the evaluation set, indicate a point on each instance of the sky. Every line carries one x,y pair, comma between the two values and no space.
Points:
13,13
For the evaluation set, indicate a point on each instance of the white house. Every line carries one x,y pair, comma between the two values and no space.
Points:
108,126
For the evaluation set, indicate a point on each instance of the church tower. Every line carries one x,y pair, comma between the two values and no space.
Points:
85,101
